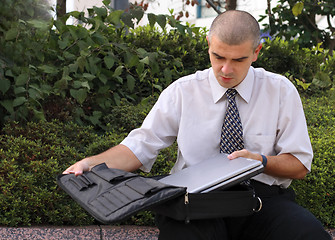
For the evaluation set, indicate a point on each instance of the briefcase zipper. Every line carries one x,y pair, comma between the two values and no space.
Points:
186,202
186,198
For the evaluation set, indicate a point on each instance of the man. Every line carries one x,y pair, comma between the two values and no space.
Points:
193,108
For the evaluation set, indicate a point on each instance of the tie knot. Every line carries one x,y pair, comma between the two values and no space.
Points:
231,92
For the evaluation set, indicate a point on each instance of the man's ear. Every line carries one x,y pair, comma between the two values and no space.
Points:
208,42
258,49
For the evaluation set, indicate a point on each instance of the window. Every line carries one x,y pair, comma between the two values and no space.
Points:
205,11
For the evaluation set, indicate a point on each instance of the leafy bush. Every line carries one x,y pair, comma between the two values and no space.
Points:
317,191
31,158
89,67
310,69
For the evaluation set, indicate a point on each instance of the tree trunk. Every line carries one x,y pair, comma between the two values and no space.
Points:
231,4
61,8
271,19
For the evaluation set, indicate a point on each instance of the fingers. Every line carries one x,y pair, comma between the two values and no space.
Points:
241,153
77,169
246,154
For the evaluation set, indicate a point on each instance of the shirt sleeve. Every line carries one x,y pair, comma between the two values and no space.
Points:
292,136
158,131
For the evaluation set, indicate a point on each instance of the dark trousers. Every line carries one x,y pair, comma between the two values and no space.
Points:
280,219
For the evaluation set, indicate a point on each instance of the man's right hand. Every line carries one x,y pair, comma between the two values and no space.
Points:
78,168
120,157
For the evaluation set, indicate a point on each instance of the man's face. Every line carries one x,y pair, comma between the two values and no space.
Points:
231,62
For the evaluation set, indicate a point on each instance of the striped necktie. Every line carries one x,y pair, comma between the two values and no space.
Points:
232,132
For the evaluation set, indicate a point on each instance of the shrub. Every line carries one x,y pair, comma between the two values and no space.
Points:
317,191
310,69
30,161
91,66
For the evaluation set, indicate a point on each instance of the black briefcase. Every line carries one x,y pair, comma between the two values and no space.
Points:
112,195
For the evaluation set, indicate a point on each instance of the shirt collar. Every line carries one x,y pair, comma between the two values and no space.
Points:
244,89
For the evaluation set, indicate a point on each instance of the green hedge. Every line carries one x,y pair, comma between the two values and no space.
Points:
317,191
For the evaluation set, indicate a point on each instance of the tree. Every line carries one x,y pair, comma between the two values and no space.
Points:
293,19
61,8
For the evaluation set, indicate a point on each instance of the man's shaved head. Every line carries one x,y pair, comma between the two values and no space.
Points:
234,27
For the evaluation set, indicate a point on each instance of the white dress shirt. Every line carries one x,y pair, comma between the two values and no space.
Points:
192,110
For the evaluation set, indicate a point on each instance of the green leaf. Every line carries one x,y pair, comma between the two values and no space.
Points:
131,60
167,76
11,34
322,80
131,82
43,25
80,95
81,61
106,2
95,118
140,68
297,9
152,19
127,19
161,20
39,115
115,17
80,84
302,84
48,69
4,85
8,105
61,84
88,76
118,71
101,11
109,61
159,87
103,78
117,98
22,79
34,94
19,101
145,60
19,90
137,13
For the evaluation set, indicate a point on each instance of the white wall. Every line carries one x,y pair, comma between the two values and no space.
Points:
254,7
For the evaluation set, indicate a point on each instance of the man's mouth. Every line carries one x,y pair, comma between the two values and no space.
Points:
226,78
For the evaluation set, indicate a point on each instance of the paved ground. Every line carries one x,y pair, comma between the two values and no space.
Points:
87,232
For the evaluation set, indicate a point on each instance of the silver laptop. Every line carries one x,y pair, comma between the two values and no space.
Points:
217,172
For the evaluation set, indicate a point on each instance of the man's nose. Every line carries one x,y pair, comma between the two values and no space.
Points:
226,68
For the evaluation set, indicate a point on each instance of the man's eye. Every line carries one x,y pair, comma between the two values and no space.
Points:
218,57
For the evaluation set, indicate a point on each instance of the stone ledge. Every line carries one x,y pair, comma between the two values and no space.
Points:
86,232
96,232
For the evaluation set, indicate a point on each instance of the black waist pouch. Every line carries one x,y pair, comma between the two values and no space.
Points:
112,195
237,201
